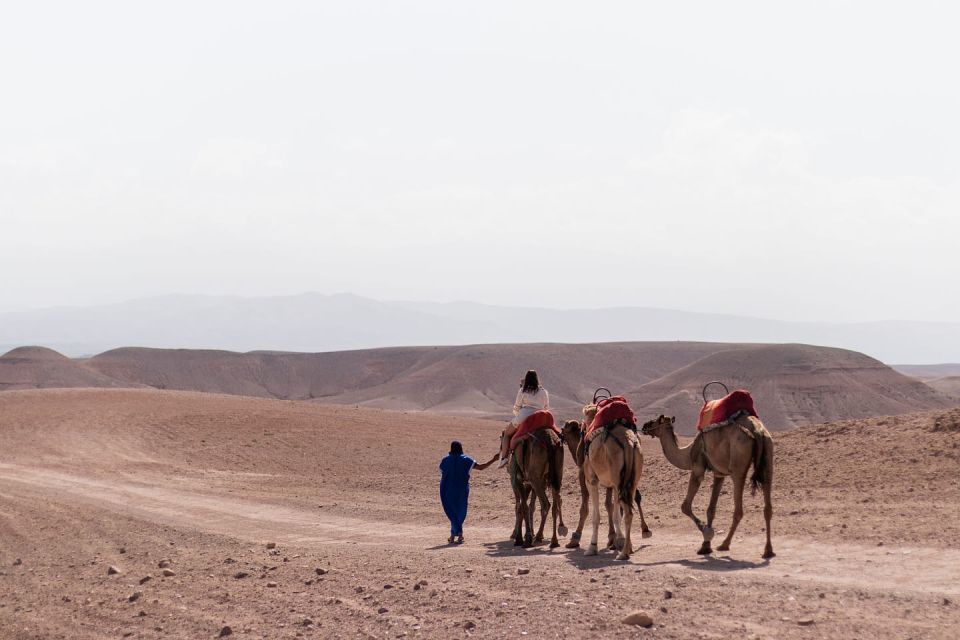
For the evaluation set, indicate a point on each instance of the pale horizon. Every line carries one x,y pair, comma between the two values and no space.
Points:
797,164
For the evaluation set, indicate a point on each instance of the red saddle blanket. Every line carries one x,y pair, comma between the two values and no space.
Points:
536,421
727,407
609,410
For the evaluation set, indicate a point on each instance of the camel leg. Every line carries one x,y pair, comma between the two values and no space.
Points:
714,498
518,518
528,517
768,515
644,530
595,518
540,493
617,517
611,532
738,483
696,477
627,509
584,510
554,542
557,504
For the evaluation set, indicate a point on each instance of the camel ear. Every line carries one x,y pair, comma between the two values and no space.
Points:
673,419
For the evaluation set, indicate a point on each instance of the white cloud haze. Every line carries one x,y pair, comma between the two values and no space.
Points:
795,162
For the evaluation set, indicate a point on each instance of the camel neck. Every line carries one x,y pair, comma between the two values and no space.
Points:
675,454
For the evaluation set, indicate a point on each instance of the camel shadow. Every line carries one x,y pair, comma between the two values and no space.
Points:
721,563
606,558
507,549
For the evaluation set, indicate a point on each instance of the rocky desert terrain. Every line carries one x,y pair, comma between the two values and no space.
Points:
145,513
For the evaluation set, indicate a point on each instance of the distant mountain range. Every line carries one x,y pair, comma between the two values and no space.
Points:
315,323
792,384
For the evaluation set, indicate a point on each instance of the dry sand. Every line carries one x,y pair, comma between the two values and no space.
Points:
866,523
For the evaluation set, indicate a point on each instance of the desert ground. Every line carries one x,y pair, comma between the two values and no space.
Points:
866,523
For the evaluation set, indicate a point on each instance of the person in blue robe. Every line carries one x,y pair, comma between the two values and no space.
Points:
455,487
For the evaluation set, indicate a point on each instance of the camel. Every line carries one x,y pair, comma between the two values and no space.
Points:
537,462
572,435
728,450
612,459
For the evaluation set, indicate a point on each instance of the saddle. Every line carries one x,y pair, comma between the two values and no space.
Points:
719,413
533,424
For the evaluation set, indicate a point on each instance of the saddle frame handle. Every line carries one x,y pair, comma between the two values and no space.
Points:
597,395
726,391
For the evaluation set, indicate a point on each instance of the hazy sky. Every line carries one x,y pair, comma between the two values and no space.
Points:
795,162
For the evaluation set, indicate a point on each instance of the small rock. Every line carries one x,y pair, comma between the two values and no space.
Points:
307,622
638,618
805,622
388,586
163,564
358,589
112,570
416,587
17,562
142,614
522,571
469,625
240,575
123,549
226,631
322,572
593,579
271,545
145,579
382,610
271,585
667,594
422,583
134,596
308,582
168,573
947,602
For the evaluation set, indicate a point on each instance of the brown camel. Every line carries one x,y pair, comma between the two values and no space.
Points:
535,464
572,435
612,459
728,450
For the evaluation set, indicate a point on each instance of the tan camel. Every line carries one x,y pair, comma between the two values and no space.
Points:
729,450
535,464
572,435
612,459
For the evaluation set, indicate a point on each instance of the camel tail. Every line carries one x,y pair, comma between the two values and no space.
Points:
555,467
762,462
626,488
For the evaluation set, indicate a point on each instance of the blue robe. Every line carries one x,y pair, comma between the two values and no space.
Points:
455,489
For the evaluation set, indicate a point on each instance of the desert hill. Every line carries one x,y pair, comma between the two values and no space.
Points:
467,380
39,367
949,385
791,385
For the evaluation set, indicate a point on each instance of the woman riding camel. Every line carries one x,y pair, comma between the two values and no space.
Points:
530,398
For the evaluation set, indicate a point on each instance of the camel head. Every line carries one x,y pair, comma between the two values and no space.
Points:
589,413
653,428
571,428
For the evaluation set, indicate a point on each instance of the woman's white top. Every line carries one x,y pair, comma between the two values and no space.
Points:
536,400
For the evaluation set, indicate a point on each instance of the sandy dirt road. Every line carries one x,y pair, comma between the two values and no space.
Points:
90,480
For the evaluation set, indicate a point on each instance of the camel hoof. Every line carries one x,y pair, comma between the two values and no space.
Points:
768,554
623,556
646,533
562,530
591,550
517,542
705,550
723,547
708,534
538,539
554,544
573,544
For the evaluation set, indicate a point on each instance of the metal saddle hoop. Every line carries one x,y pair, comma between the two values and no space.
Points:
601,394
726,391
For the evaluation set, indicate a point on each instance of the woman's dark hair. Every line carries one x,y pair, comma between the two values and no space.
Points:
531,381
456,448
